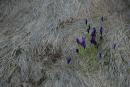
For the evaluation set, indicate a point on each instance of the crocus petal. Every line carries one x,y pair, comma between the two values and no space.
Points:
78,40
83,38
83,42
83,35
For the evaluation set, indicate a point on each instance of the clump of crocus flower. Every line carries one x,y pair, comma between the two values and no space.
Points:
93,39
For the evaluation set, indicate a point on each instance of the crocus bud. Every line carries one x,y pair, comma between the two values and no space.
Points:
86,21
102,19
77,50
101,30
93,32
83,42
88,28
100,55
68,60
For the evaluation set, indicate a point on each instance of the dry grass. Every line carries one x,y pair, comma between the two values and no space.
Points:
34,44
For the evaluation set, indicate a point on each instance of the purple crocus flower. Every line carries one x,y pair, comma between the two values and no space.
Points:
81,41
68,60
93,32
78,40
93,40
100,56
93,37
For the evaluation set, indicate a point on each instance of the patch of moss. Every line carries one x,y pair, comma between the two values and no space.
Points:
89,53
90,50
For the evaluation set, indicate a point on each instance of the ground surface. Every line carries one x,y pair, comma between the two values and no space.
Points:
36,37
